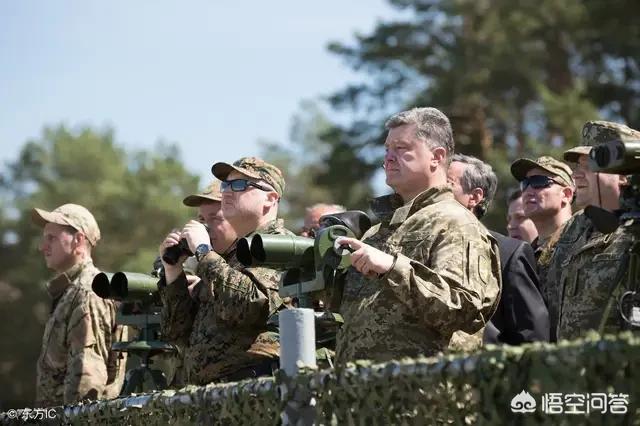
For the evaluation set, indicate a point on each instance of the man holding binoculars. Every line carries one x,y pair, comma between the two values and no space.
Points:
226,317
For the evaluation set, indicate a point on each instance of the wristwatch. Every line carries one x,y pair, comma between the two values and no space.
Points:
201,251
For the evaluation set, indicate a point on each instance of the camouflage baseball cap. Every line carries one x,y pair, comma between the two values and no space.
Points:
210,193
252,167
72,215
521,167
597,132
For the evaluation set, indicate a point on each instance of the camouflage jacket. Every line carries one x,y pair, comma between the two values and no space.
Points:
223,327
76,360
551,268
592,277
445,279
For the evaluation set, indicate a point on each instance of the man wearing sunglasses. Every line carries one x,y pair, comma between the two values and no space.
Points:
590,267
429,270
547,193
209,205
227,323
522,314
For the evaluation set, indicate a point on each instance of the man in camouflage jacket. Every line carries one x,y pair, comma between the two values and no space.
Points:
225,322
547,193
588,266
76,361
429,270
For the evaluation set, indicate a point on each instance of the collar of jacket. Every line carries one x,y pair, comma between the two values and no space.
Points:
58,284
390,208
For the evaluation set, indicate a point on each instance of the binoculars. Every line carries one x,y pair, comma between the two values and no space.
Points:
311,264
126,287
619,157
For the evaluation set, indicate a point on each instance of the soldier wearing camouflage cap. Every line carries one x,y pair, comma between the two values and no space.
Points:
76,361
226,326
547,193
594,188
209,204
589,267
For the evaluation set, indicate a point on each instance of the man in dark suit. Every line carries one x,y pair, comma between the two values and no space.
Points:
521,315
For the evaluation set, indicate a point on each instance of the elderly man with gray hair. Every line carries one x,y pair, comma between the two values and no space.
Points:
521,315
429,269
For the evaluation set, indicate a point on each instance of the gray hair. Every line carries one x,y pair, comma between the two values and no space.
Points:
431,125
478,174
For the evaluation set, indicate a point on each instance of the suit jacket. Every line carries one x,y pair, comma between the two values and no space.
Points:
522,314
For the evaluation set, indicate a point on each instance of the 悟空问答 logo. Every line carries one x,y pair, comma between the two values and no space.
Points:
523,403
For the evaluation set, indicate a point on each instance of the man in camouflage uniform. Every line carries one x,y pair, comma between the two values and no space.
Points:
226,324
429,270
222,237
209,204
76,361
589,266
547,193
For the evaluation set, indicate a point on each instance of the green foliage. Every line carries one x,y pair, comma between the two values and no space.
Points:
135,197
516,78
319,165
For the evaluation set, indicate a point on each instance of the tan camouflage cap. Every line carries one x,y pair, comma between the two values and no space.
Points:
597,132
210,193
72,215
521,166
252,167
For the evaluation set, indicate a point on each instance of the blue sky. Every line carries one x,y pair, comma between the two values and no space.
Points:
214,77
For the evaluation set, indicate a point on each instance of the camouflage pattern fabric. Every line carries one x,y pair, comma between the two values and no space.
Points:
461,389
73,215
551,266
562,171
207,195
590,275
76,361
252,167
545,252
446,279
223,327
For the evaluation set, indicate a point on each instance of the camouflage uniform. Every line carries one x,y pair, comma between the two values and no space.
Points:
545,249
592,266
223,327
445,279
76,360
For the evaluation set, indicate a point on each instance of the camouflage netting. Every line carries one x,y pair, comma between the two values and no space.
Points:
459,389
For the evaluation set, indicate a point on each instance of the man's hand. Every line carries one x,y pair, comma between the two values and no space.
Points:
367,260
171,272
195,233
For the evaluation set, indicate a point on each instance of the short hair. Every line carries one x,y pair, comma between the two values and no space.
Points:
431,125
478,174
514,195
336,208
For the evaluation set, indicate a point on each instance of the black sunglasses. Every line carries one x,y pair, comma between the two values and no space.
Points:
537,182
239,185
